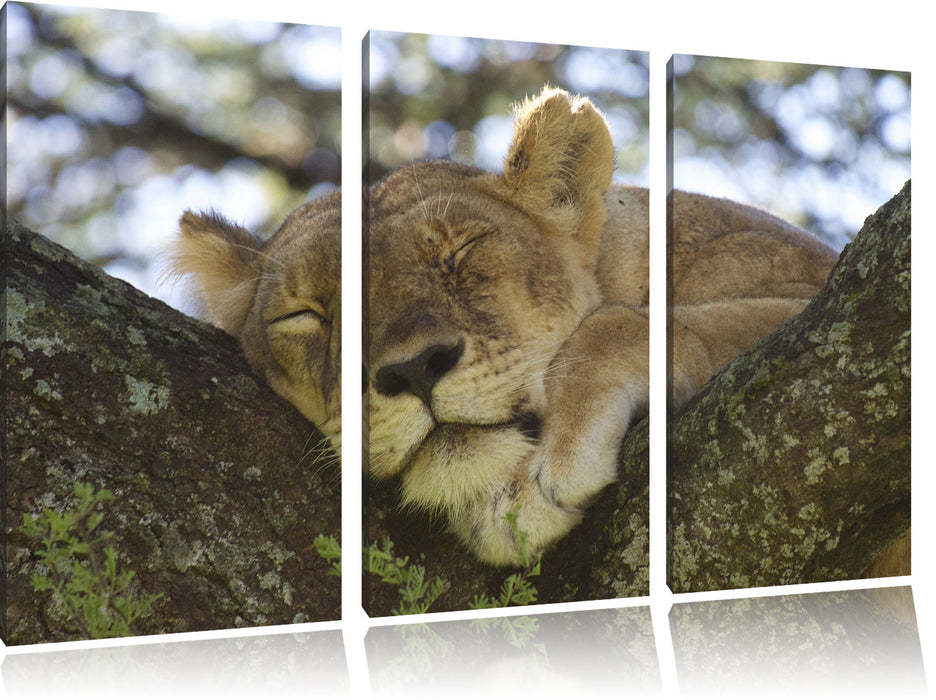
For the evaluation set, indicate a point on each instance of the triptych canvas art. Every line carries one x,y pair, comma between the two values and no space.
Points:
173,314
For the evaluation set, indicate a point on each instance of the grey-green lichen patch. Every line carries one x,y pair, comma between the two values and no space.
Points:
46,391
684,559
144,397
835,341
754,444
810,511
253,473
272,581
276,552
179,552
46,249
726,475
66,473
818,463
635,553
23,329
269,580
92,299
136,336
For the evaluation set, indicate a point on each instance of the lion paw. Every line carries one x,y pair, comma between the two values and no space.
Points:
572,479
509,527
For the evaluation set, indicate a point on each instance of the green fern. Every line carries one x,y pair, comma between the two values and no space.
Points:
328,548
517,588
83,574
416,593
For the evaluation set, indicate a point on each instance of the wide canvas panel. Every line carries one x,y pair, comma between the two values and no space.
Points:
170,453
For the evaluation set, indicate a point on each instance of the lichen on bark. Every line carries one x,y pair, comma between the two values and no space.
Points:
219,496
793,464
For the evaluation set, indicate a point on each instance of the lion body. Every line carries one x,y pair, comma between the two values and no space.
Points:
508,321
507,318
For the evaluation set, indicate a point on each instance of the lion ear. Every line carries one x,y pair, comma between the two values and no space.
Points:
561,160
221,258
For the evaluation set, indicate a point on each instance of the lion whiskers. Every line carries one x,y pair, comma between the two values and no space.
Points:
419,196
320,456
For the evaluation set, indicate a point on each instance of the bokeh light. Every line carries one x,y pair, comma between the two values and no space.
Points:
450,97
821,146
119,121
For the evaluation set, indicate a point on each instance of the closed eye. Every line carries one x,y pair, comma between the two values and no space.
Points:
459,253
298,313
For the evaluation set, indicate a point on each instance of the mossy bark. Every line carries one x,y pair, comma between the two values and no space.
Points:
220,485
793,464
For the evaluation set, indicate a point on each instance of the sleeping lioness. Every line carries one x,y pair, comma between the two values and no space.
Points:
507,329
508,320
280,298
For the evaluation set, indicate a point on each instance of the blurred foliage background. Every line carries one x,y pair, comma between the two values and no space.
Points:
118,121
821,146
434,96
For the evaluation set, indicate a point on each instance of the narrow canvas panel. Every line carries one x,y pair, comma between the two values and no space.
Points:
506,323
789,242
154,482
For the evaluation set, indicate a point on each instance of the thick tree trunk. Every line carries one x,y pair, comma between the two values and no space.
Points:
793,464
220,485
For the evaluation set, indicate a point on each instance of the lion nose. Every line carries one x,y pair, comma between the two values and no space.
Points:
419,374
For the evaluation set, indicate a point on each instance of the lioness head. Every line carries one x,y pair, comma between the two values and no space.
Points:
475,280
280,298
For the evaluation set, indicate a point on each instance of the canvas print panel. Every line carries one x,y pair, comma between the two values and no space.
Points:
792,464
153,481
506,322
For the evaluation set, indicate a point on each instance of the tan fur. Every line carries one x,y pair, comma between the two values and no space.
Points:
280,298
504,373
507,317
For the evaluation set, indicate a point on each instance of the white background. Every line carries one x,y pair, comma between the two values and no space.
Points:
895,35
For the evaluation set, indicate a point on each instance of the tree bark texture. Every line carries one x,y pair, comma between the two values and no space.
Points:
220,485
793,464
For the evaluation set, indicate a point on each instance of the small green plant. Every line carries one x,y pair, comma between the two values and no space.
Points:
328,548
82,571
516,589
416,593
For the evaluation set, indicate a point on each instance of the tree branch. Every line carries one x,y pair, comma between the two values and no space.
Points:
793,464
220,485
